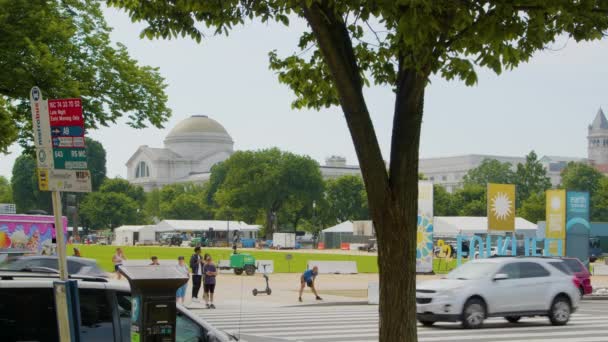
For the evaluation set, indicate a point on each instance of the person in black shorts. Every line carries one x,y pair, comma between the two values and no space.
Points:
209,272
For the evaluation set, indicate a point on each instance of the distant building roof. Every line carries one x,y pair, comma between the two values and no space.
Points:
450,226
204,225
344,227
600,121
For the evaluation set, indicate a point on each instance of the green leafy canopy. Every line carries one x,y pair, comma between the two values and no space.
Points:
64,47
447,38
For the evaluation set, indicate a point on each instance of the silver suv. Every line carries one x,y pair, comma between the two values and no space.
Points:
27,311
509,287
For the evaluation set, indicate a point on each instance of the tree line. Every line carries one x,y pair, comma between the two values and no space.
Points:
277,189
531,181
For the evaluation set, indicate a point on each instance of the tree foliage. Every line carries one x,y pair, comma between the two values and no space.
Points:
346,199
267,180
184,201
122,186
96,162
490,171
24,185
102,210
352,43
533,207
581,177
64,47
531,178
6,193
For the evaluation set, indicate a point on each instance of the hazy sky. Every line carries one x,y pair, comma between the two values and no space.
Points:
545,105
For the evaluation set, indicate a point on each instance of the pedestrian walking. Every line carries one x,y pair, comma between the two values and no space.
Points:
196,265
210,272
308,278
181,292
154,260
117,260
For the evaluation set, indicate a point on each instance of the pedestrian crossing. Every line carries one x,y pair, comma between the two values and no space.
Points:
359,323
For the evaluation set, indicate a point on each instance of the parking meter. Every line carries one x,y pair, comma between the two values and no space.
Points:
153,309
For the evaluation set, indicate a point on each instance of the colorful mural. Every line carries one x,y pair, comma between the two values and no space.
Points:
34,233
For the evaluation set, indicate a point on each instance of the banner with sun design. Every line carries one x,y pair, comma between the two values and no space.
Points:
424,236
556,219
501,207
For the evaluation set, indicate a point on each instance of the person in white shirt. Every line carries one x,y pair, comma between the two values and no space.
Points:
117,260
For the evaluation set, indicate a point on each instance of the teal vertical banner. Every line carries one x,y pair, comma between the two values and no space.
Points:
577,225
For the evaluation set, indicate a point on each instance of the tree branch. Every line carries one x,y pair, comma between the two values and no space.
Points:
336,46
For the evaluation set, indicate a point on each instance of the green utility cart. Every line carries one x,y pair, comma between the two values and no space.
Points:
242,262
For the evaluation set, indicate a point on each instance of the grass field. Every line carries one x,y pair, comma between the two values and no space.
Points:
103,255
365,263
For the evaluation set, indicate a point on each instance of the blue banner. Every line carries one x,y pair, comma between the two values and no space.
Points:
577,225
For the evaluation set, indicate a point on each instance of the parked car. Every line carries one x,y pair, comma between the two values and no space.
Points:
27,311
509,287
582,273
76,265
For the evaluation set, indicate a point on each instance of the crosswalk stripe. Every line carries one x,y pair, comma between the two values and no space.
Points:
360,324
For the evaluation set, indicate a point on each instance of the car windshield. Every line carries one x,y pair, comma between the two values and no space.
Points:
473,270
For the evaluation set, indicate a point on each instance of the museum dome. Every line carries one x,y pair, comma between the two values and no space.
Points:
197,136
197,124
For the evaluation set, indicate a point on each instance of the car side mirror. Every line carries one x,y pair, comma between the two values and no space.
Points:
500,276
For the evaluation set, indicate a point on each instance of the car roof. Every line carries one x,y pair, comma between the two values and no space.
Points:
505,259
14,279
52,257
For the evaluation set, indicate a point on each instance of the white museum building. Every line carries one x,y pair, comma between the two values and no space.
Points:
192,147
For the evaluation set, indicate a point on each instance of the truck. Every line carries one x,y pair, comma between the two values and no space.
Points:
284,240
34,233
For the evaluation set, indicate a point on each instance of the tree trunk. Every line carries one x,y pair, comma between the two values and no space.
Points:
393,195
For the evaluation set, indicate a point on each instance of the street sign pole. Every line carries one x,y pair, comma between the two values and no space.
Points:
61,248
65,291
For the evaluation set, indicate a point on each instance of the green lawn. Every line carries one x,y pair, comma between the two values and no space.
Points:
103,255
365,263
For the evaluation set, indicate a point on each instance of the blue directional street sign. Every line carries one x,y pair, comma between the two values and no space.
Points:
67,131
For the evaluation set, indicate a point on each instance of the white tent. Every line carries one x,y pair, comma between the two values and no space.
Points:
190,226
451,226
344,227
128,235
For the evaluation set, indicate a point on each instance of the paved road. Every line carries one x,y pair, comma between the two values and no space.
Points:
360,323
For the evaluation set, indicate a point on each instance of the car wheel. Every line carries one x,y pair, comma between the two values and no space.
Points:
513,319
238,271
560,311
255,292
427,323
474,314
582,291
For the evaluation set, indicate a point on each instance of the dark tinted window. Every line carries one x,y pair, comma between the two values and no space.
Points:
28,315
562,267
96,316
511,270
532,270
574,265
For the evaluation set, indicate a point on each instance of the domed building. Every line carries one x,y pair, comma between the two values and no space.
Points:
192,147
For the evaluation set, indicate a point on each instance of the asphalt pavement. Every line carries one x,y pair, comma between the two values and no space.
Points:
355,323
